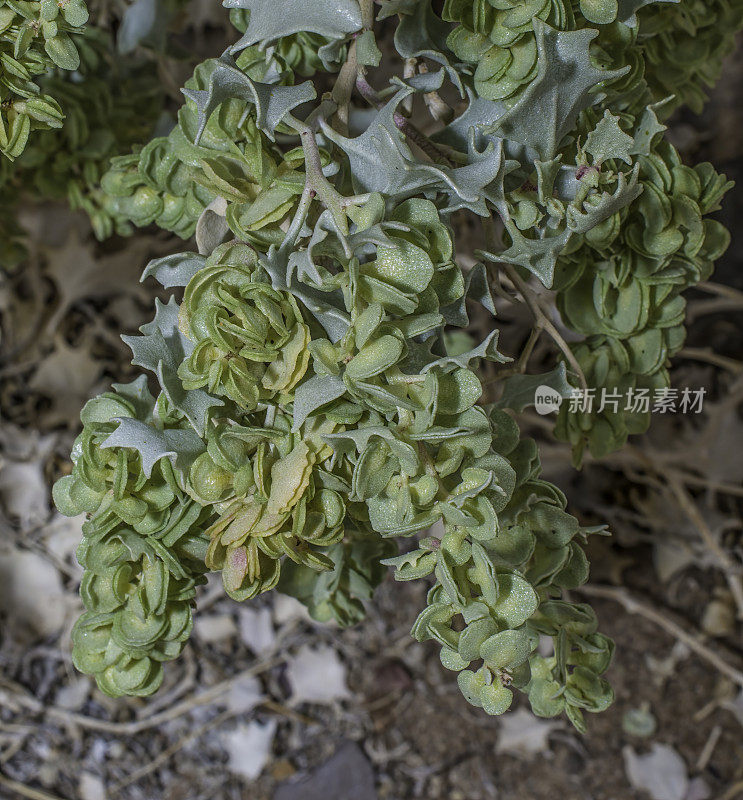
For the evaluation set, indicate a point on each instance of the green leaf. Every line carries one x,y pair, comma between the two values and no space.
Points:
549,107
272,19
517,600
272,102
62,51
176,269
519,390
602,12
181,446
161,349
367,52
375,358
607,140
506,650
317,391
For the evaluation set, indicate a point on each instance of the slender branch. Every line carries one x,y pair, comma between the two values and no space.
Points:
732,572
695,642
331,198
367,14
733,791
343,88
26,791
708,749
707,356
722,291
166,755
431,149
532,301
409,69
630,455
209,695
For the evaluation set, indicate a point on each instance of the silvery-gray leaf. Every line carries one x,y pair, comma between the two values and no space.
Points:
272,102
422,34
486,349
272,19
581,220
519,390
181,446
318,391
550,105
326,307
176,269
646,130
479,115
302,264
138,394
381,161
391,7
367,52
212,227
607,140
539,255
161,349
477,288
628,10
361,436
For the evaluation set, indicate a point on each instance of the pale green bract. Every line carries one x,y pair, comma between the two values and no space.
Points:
320,413
108,106
621,285
36,36
143,542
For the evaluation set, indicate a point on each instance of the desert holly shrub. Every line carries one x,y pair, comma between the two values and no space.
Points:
318,412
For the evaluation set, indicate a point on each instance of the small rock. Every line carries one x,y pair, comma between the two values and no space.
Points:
282,769
288,609
347,774
719,617
72,696
698,790
661,773
91,787
249,748
522,733
61,538
244,695
316,675
32,594
215,628
256,629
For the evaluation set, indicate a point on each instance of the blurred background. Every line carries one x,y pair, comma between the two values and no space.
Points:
266,703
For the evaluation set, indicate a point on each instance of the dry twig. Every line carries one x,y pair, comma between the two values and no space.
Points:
696,641
26,791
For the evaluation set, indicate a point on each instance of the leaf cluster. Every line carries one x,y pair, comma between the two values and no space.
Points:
319,412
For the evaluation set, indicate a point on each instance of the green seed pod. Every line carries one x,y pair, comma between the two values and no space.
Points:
250,340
